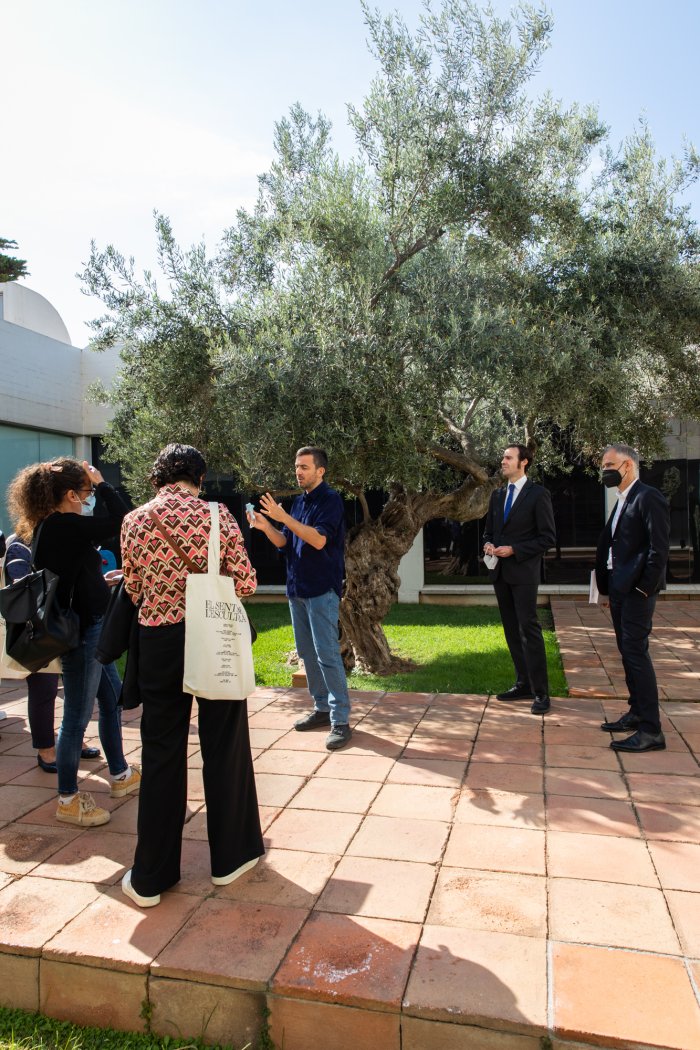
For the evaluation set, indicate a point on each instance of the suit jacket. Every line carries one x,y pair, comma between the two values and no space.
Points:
529,530
640,545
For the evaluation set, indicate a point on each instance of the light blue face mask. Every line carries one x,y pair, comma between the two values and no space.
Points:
88,505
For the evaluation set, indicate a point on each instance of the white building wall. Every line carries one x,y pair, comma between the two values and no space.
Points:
44,379
412,572
40,381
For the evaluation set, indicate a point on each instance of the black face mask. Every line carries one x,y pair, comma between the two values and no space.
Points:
611,478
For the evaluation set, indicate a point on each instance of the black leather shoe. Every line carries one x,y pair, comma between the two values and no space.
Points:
516,692
640,741
91,752
541,705
313,721
48,767
626,721
338,737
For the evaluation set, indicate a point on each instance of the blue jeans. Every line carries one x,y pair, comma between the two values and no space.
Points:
81,678
109,719
315,623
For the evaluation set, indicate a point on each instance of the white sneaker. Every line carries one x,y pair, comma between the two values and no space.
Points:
143,902
225,880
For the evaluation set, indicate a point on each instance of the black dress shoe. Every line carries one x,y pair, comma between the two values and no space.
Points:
640,741
516,692
541,705
313,721
626,721
91,752
48,767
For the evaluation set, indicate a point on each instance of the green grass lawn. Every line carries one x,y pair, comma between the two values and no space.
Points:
457,649
25,1031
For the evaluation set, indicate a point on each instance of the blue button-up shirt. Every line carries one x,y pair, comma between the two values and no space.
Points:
311,572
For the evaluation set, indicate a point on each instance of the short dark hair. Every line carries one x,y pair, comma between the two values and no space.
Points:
320,456
524,453
178,463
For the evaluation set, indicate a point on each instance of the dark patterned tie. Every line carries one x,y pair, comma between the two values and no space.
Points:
509,502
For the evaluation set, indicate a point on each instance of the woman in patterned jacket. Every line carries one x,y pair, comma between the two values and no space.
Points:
155,576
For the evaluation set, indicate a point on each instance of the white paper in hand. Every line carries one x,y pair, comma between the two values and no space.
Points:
593,592
490,561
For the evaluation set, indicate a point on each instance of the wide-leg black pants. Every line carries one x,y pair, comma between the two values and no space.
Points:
233,821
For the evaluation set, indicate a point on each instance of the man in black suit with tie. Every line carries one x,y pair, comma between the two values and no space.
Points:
519,530
631,569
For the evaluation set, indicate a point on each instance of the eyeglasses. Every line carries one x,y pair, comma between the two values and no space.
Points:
90,490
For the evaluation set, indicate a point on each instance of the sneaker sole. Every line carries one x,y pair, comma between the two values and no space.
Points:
129,891
94,823
226,880
127,791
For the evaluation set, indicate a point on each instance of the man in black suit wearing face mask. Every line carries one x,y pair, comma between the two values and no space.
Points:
519,530
631,569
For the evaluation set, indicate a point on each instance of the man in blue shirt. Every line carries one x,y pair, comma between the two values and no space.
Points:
313,540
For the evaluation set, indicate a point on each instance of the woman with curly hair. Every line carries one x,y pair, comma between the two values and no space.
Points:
51,506
155,575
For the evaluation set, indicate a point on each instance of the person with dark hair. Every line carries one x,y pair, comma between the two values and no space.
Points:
177,463
630,568
519,530
155,576
313,539
51,505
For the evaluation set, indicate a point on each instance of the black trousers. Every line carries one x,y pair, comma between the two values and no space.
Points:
42,689
233,821
517,604
632,615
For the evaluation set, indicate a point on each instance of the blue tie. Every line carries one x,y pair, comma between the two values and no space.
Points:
509,502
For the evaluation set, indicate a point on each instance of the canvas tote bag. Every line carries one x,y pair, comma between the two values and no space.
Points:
218,648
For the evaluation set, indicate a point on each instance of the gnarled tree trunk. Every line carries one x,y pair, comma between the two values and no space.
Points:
373,551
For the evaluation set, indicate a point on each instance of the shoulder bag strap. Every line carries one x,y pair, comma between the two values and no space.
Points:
32,550
35,542
172,543
214,557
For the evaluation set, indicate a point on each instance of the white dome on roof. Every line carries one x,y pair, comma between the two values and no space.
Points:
25,307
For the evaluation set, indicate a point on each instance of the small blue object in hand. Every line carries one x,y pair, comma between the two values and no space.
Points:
109,562
250,509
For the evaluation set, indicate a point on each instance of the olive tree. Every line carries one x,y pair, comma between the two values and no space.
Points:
470,277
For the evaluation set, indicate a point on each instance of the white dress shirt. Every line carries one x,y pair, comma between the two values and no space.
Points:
519,484
621,497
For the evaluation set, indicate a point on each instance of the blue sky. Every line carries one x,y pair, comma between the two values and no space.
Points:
118,107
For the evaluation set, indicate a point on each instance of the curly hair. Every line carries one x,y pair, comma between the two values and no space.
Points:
177,463
37,490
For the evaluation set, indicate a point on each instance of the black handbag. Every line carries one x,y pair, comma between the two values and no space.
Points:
37,628
117,625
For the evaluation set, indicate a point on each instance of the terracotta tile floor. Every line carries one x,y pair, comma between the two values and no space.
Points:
592,663
464,876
